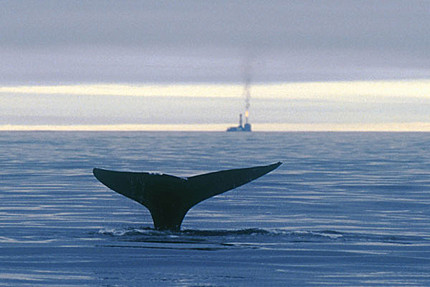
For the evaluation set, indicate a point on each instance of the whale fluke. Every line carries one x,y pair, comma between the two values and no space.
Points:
168,197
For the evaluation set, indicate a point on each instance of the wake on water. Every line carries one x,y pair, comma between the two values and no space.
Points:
260,237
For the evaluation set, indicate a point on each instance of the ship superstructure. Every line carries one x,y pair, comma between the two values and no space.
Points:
247,126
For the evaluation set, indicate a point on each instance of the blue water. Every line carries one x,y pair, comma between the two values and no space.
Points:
345,209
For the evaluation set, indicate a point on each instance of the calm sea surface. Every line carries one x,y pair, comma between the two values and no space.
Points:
345,209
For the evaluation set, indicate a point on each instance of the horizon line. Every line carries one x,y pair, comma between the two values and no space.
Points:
262,127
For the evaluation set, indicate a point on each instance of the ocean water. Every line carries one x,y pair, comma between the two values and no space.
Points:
344,209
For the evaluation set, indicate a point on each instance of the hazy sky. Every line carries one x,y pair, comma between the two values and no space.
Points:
147,41
179,42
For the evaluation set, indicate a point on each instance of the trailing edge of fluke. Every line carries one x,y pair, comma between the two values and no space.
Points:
168,197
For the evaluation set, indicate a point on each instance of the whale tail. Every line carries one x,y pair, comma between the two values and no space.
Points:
168,198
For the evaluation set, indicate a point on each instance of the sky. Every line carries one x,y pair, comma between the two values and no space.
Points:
181,65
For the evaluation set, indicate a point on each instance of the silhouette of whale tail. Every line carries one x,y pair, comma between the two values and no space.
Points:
168,197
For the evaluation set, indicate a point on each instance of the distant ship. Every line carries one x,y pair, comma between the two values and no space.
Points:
247,94
241,127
